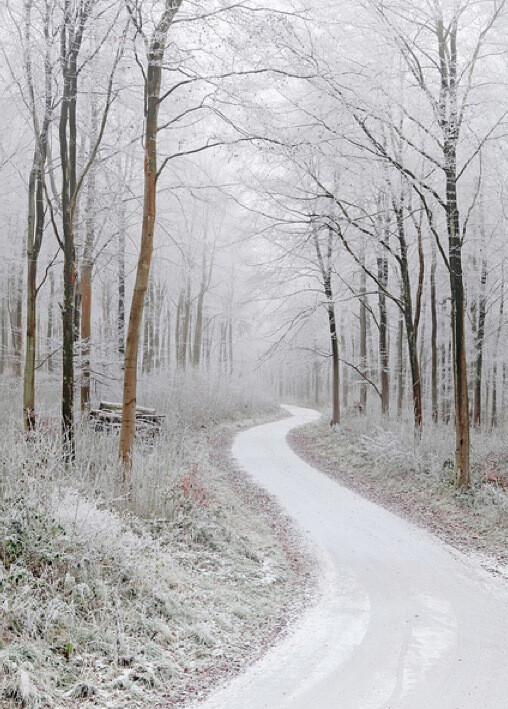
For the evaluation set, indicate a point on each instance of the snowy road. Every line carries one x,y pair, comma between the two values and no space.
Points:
402,620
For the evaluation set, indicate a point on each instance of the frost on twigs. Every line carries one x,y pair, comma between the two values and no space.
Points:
115,606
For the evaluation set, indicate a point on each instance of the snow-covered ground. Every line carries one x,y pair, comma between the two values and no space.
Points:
401,621
108,605
381,461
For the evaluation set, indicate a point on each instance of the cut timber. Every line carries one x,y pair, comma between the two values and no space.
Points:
107,405
108,417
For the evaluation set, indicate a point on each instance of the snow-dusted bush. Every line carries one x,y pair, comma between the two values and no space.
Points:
117,605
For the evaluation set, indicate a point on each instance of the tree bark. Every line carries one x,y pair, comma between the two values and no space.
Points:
49,328
121,279
325,267
186,327
16,322
345,374
178,331
411,320
198,330
494,418
480,336
363,339
382,265
400,366
35,206
4,337
153,90
147,314
447,47
71,36
230,345
86,294
433,342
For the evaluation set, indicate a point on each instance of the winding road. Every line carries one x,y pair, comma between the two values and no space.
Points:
401,620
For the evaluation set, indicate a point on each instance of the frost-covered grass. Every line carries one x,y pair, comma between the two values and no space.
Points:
382,460
106,604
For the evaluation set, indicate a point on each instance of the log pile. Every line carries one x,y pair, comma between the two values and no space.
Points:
108,418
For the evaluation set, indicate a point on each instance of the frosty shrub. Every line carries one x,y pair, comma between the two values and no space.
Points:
114,604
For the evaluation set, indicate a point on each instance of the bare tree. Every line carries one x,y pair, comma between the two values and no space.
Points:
156,47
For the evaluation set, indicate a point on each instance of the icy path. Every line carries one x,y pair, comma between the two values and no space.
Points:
401,620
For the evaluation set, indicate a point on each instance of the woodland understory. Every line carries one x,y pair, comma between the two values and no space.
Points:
113,607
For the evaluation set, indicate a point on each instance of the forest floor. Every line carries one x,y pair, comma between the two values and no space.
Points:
103,607
382,464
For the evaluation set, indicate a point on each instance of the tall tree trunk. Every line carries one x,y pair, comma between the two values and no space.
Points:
152,96
480,335
325,266
186,326
147,314
86,333
230,345
316,382
86,293
16,321
504,379
335,366
4,337
363,339
35,204
168,338
494,419
411,320
345,374
462,471
222,349
382,265
433,342
206,270
50,327
447,46
31,295
178,331
121,279
67,133
198,330
210,330
400,366
158,306
30,344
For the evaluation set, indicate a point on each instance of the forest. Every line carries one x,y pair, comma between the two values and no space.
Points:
210,209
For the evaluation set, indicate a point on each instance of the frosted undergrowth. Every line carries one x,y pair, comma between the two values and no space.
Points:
110,607
384,458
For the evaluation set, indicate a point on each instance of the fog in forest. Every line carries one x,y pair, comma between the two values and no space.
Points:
210,209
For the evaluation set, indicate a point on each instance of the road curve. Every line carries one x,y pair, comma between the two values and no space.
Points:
401,620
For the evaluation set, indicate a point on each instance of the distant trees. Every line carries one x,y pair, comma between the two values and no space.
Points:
354,187
444,86
421,141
